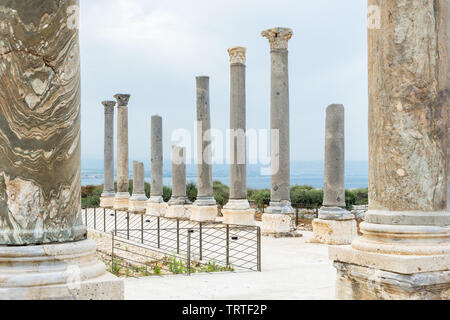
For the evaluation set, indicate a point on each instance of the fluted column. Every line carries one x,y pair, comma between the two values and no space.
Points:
179,204
205,208
278,221
405,247
123,193
156,205
43,245
138,200
108,195
237,210
335,224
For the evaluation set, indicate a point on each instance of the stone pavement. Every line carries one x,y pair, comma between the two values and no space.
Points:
291,269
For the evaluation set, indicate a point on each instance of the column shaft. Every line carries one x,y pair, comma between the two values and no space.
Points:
108,189
178,175
138,179
156,190
122,149
39,124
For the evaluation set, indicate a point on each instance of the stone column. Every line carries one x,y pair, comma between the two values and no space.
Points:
108,195
138,200
179,205
44,251
448,95
335,224
156,205
204,208
278,220
404,252
237,211
123,170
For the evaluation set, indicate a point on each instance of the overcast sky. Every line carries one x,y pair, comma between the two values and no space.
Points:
155,49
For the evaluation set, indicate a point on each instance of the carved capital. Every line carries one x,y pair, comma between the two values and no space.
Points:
109,106
122,99
278,37
237,55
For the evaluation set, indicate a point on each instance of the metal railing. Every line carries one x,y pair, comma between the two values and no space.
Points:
234,247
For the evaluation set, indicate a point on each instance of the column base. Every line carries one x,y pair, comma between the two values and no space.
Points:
156,209
203,213
279,226
66,271
121,201
356,282
178,211
334,232
137,206
107,202
238,212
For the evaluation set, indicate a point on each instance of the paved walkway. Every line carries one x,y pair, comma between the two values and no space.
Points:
292,269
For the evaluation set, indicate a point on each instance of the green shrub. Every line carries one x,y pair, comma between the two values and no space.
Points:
261,197
306,196
167,193
191,191
221,192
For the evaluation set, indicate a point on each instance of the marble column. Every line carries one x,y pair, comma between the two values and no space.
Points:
138,200
335,224
278,220
108,195
44,251
237,211
205,207
448,96
123,170
156,205
404,252
179,205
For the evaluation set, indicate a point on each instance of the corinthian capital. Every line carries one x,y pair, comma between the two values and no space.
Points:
109,106
237,55
278,37
122,99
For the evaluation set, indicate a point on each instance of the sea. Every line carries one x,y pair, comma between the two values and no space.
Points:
302,173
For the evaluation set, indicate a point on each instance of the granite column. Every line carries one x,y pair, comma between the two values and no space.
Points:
108,195
138,200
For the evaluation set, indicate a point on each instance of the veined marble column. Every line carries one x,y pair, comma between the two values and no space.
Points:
44,251
179,205
156,205
138,200
205,207
404,252
278,220
335,224
237,211
108,195
123,170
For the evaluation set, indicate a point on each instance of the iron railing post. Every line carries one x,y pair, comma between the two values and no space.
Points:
112,252
228,246
201,241
95,220
258,248
115,222
158,230
128,225
178,236
189,252
104,220
142,228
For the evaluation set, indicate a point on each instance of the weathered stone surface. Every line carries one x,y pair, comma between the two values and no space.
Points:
336,232
156,190
406,230
279,225
107,197
138,200
178,177
122,195
279,121
68,271
39,123
203,213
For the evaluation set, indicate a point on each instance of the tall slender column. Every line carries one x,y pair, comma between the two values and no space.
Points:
123,170
138,200
44,253
278,220
237,211
448,95
335,224
108,195
179,204
156,205
404,252
205,208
